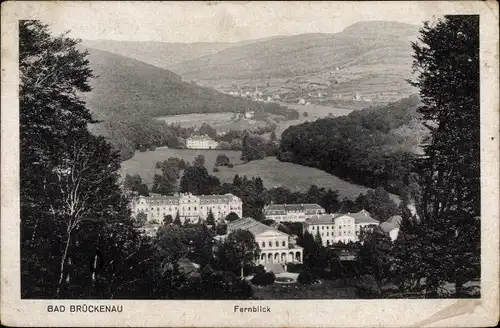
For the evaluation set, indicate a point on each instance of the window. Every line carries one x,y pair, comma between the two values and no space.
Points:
328,234
270,244
277,244
263,244
283,243
322,227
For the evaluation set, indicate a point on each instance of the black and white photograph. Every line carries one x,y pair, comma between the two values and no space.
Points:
251,151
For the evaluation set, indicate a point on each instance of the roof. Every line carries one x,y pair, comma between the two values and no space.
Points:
387,226
360,217
174,200
292,207
201,138
255,227
321,219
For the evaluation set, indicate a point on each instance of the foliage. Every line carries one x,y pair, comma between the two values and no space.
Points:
134,183
222,160
77,236
232,217
378,203
239,249
221,228
210,218
255,147
177,220
306,278
197,181
263,279
359,147
168,219
141,219
375,255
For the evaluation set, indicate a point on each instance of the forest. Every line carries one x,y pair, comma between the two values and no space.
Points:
360,147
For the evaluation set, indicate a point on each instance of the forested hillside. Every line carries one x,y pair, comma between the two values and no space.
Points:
365,147
126,86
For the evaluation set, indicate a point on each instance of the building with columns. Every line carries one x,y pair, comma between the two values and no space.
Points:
189,206
292,212
334,228
276,247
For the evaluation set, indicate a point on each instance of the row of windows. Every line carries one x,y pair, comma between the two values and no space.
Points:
341,233
328,227
270,243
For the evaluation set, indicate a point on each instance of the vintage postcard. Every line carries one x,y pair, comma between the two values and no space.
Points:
250,164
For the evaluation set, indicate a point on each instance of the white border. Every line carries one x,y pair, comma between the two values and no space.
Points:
300,313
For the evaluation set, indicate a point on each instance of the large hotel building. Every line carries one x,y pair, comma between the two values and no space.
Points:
189,206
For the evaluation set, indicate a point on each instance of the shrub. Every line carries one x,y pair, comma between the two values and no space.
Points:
295,267
306,278
230,165
263,279
216,169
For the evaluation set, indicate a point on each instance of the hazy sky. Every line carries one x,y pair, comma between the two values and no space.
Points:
208,22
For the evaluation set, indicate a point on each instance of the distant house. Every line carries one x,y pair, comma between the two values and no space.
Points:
335,228
201,142
292,212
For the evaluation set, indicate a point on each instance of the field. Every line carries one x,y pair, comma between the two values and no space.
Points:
143,163
221,122
292,176
273,172
314,112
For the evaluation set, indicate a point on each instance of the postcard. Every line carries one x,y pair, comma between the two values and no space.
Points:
250,164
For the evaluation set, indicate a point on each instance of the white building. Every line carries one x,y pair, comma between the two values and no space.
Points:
292,212
276,247
201,142
334,228
189,206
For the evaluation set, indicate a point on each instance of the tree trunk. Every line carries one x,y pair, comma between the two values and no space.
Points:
63,263
242,272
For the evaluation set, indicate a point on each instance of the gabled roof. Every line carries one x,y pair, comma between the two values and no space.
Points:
255,227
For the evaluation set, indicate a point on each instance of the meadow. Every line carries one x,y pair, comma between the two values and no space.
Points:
143,163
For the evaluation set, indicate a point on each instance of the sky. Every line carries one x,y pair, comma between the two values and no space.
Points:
218,21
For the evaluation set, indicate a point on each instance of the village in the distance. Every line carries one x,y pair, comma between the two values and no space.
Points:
312,166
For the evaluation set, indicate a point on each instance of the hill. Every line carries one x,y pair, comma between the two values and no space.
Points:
126,86
372,58
373,147
164,54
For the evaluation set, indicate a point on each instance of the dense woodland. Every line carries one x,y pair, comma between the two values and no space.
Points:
360,147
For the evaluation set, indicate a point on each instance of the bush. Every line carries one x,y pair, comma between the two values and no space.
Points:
263,279
295,267
306,278
216,169
230,165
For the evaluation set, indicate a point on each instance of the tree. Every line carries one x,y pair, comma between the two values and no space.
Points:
232,217
170,244
378,203
141,219
197,181
199,161
222,160
210,218
221,228
446,60
254,147
305,114
177,220
239,250
73,215
167,219
317,238
134,183
162,185
273,136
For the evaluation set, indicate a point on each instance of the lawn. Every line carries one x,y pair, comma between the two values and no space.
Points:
293,176
143,163
325,290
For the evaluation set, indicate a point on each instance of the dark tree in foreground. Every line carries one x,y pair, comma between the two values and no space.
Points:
446,60
232,217
239,250
210,218
77,236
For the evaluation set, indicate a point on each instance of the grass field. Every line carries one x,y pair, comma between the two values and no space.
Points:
293,176
314,112
273,172
143,163
325,290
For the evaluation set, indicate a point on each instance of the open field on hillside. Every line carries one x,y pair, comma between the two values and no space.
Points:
143,163
221,122
293,176
314,112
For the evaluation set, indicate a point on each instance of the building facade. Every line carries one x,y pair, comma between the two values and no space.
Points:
276,247
201,142
334,228
188,206
292,212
